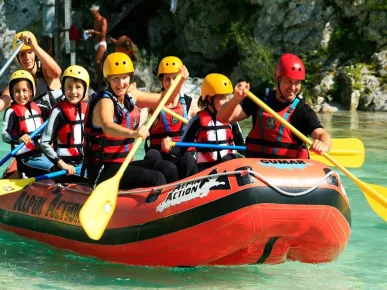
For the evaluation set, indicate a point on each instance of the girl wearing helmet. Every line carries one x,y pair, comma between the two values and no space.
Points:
269,138
44,70
168,126
112,125
65,126
204,128
21,119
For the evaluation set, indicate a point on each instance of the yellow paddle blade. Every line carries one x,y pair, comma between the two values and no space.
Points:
13,185
99,207
348,151
377,205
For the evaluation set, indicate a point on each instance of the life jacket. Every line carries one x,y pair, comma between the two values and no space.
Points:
213,132
45,97
69,138
271,139
166,125
100,147
29,119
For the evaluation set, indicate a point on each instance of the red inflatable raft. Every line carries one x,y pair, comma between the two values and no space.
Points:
244,211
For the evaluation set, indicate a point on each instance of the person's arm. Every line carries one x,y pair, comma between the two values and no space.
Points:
103,116
238,137
309,124
151,100
194,108
50,66
322,141
9,121
231,111
113,40
5,99
189,135
55,122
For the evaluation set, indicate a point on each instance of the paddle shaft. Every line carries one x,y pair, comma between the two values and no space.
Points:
174,114
10,59
21,145
56,174
149,123
236,147
373,193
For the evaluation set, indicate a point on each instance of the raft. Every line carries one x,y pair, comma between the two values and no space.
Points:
240,212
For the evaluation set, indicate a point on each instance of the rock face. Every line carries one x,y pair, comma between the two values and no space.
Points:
336,39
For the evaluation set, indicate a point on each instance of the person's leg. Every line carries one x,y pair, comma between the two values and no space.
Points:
34,166
186,165
134,176
167,168
98,66
229,157
153,154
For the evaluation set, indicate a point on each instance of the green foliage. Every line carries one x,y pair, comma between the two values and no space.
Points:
256,60
354,72
347,39
376,4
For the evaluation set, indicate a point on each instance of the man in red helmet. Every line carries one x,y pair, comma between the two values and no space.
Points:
269,138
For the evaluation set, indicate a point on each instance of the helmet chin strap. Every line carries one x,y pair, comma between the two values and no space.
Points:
211,103
279,89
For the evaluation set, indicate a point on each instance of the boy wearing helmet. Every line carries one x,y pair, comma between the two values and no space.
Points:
20,120
268,137
65,126
204,128
44,70
168,126
112,125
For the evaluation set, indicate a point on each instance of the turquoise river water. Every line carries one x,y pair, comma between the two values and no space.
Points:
27,264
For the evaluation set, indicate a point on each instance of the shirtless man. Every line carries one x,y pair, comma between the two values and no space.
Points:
99,31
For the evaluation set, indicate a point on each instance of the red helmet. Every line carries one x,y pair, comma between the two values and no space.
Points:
290,66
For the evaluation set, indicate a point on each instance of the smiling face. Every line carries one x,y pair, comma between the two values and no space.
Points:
119,84
74,90
27,59
219,100
289,88
22,92
167,80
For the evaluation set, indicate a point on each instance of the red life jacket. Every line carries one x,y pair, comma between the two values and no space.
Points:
270,139
101,148
69,138
213,132
28,121
166,125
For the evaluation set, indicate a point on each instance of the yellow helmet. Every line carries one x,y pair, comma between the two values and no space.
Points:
117,63
21,75
77,72
170,65
216,84
16,38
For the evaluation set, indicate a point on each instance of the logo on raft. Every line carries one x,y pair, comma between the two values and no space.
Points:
58,209
194,189
284,164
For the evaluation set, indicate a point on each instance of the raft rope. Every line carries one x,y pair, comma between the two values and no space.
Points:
237,172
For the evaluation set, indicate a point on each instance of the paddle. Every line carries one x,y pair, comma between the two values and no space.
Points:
12,56
13,185
99,207
353,158
21,145
376,195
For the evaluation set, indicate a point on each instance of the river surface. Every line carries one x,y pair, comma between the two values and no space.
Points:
26,264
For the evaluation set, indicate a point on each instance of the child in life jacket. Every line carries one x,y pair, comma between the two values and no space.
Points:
166,125
21,119
65,126
204,128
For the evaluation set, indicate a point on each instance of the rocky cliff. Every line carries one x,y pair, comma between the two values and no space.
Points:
342,42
